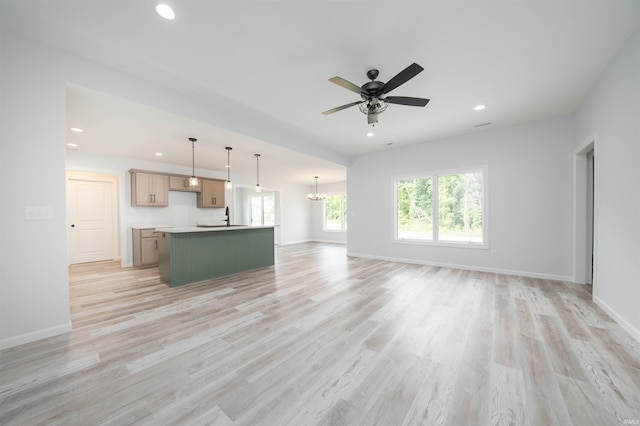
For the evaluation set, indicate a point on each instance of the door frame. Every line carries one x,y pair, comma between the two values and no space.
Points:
277,233
582,247
116,181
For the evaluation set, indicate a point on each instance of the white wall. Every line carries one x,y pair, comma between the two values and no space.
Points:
34,298
529,211
611,115
317,214
34,301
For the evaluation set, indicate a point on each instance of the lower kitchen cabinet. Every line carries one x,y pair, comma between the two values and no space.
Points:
145,247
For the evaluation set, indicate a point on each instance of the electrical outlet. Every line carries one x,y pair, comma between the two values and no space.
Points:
494,253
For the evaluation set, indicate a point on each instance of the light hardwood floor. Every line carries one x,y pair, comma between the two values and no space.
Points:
322,339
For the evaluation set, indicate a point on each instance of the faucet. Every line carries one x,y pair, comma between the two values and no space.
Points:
226,213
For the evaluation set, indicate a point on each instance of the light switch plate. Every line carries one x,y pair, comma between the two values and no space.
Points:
38,213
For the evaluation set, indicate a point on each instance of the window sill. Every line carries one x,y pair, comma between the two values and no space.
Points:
452,244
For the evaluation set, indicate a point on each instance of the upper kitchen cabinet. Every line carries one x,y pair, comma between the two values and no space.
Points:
212,194
181,183
149,189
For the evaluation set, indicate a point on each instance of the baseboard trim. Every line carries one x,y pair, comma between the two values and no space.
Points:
330,242
34,335
290,243
467,267
634,332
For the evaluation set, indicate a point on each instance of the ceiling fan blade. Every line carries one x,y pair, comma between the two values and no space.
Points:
340,108
402,77
404,100
372,118
346,84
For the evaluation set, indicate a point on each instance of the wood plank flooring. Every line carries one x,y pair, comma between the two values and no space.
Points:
323,339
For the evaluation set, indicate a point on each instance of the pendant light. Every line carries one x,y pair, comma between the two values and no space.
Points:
193,180
228,148
316,196
257,172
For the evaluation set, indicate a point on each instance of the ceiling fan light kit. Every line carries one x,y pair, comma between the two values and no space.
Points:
374,93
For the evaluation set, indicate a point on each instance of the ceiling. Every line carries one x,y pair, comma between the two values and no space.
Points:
271,61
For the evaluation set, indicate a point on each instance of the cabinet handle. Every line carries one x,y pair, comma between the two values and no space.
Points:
156,244
154,198
150,199
213,200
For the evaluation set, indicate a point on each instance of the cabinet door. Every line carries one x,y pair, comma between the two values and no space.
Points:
181,183
212,194
148,189
141,183
218,193
149,250
160,190
145,247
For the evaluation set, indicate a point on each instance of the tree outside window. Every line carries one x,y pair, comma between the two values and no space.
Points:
441,207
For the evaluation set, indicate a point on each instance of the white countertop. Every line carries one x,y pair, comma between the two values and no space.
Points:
149,225
187,229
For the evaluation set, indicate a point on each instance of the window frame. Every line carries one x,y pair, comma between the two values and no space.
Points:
343,226
434,175
262,211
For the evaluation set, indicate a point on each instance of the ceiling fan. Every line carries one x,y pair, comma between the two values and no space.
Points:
374,93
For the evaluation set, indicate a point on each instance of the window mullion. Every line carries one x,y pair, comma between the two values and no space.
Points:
342,212
435,211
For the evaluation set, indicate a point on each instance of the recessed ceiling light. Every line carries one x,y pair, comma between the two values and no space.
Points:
158,154
73,145
165,11
370,134
479,107
76,129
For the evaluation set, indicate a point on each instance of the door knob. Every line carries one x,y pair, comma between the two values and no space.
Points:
73,226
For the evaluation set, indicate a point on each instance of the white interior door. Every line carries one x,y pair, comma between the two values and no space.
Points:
90,220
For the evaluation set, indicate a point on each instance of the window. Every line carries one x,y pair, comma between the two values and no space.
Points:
335,212
263,210
442,207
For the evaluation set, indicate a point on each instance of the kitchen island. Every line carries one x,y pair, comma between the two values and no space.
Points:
191,254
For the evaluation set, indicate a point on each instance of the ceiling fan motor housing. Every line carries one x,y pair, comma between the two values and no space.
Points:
372,88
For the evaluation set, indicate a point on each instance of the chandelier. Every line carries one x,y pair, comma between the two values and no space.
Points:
316,196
